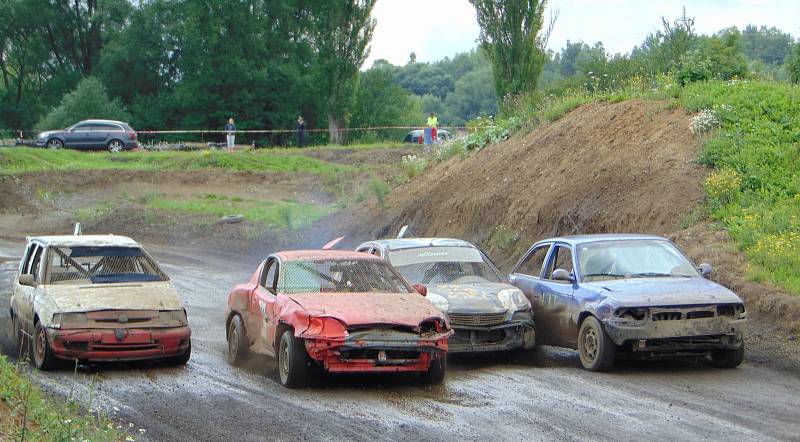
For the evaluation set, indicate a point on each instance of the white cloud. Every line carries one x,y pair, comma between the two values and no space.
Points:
435,29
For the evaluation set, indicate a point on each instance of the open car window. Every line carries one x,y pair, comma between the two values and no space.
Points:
444,265
340,276
98,265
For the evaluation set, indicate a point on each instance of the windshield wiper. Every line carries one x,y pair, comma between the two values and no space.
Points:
654,275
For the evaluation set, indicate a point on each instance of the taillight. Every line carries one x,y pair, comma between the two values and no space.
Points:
131,135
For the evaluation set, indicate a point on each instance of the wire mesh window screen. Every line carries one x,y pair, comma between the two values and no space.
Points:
101,265
340,276
449,271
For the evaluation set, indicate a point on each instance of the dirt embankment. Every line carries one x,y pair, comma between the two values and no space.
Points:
623,167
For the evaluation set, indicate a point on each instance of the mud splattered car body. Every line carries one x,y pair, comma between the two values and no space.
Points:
344,311
486,313
639,294
96,298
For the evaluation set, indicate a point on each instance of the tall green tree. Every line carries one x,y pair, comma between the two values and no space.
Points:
340,32
793,65
512,39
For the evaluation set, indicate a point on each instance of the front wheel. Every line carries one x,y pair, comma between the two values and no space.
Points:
115,146
436,371
597,350
55,144
43,357
292,361
729,357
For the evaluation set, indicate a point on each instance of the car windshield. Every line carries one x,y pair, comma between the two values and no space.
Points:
605,260
340,276
98,265
444,265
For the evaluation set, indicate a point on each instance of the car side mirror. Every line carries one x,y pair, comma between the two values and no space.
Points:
421,289
26,279
705,269
562,275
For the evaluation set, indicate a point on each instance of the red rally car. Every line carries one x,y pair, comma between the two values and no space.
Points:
345,311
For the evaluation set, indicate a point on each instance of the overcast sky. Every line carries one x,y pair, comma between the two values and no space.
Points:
438,28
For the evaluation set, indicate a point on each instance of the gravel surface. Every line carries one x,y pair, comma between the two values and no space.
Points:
544,395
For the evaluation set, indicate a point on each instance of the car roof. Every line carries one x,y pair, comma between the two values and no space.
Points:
580,239
102,121
85,240
301,255
413,243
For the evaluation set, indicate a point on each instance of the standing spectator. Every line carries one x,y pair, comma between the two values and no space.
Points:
301,131
230,128
430,130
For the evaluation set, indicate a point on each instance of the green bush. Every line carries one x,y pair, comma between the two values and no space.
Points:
88,100
380,189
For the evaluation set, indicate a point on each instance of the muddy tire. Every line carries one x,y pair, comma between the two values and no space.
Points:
292,361
115,146
54,144
181,359
436,372
43,357
238,345
596,349
729,357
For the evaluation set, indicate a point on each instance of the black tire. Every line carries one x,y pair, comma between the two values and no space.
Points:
729,357
597,351
292,361
43,357
54,144
115,146
181,359
238,345
436,372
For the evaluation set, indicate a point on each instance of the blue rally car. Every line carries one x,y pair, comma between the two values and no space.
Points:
636,294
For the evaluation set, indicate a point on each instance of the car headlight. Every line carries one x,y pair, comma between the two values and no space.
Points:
178,316
44,135
513,300
630,315
62,319
438,300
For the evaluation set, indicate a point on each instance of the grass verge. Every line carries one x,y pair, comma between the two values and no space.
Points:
22,160
26,415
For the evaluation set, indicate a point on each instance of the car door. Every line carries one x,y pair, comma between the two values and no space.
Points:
23,294
78,136
262,315
559,296
527,276
99,134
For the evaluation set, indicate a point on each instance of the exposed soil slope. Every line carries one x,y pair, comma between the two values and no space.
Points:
603,167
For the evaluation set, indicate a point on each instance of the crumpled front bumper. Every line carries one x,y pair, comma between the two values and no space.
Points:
123,344
506,336
378,350
684,334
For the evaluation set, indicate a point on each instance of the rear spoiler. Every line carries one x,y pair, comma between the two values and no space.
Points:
333,243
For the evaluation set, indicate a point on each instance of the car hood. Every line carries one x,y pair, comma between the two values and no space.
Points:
118,296
406,309
647,292
471,298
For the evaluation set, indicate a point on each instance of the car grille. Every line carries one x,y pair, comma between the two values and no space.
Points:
667,316
484,319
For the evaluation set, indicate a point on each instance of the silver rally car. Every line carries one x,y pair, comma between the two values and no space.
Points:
485,312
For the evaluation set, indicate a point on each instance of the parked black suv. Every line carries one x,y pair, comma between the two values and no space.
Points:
115,136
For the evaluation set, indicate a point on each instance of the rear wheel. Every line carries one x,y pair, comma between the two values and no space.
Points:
597,350
43,357
55,143
115,146
238,346
436,371
729,357
292,361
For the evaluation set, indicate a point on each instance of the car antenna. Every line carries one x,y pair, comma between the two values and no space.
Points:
78,230
405,232
333,243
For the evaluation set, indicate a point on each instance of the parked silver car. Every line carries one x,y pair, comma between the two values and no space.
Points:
115,136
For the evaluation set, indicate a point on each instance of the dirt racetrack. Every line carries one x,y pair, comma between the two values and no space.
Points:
544,395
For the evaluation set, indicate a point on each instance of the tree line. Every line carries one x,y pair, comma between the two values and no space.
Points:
190,64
